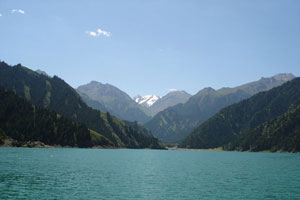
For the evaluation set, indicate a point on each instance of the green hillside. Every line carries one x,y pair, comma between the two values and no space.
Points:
55,94
241,119
177,122
279,134
22,121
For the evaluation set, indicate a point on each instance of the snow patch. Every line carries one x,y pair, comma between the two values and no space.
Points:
146,100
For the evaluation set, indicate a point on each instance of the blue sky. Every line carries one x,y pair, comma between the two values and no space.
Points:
150,47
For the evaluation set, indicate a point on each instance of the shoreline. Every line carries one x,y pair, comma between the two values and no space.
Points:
186,149
223,150
38,144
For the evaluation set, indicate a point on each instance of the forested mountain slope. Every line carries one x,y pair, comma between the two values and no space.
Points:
55,94
23,122
175,123
279,134
239,121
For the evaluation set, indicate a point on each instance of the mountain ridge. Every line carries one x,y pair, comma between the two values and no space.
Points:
171,99
55,94
115,101
24,122
176,122
255,123
161,103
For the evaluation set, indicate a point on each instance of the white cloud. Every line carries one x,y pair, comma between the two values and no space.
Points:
98,33
18,11
93,33
1,15
105,33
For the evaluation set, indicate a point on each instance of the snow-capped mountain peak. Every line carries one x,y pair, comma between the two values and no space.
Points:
146,100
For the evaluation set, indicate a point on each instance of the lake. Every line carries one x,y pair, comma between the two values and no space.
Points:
66,173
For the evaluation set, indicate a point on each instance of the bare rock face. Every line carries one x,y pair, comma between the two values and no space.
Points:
8,142
34,144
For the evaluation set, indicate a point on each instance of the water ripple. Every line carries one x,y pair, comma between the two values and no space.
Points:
146,174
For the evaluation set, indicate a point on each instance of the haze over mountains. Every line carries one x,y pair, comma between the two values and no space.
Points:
114,101
106,97
176,122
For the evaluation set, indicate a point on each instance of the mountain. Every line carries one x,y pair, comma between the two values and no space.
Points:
156,104
176,122
23,122
171,99
115,101
139,127
42,72
92,103
279,134
55,94
267,121
146,100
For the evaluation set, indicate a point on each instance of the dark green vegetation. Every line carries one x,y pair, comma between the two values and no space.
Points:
279,134
55,94
2,137
112,99
171,99
22,121
175,123
139,127
267,121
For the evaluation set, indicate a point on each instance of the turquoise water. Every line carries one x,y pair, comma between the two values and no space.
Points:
146,174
